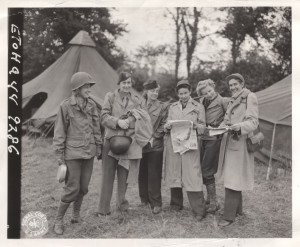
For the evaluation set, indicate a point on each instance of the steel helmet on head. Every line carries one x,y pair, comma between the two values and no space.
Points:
80,79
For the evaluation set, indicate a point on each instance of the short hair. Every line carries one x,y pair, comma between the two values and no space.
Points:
203,84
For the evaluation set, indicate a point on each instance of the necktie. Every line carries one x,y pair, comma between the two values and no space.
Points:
126,99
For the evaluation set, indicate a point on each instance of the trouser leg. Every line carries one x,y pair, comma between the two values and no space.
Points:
197,203
122,203
143,179
232,200
211,191
72,183
154,178
86,173
209,153
109,166
240,206
176,199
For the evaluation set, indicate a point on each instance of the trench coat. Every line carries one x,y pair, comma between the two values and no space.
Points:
77,132
236,164
184,170
158,113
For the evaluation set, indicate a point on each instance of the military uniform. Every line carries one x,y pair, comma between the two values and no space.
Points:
116,104
210,145
77,136
151,164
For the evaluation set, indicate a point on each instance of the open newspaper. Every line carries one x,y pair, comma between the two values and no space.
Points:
183,136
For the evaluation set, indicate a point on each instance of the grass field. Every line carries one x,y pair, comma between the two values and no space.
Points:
268,209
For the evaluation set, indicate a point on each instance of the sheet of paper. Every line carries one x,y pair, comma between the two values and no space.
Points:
217,131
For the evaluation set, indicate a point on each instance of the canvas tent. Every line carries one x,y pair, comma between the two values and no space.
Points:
275,120
43,95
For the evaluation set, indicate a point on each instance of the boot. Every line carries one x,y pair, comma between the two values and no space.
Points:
76,210
197,204
58,225
211,192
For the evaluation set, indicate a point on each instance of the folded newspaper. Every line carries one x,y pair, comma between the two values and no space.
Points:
183,136
217,131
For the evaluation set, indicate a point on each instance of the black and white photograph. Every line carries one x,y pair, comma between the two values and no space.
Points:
164,122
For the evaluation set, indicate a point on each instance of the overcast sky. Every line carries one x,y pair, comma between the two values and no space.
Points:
150,25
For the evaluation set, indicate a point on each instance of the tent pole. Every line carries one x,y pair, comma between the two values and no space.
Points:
271,153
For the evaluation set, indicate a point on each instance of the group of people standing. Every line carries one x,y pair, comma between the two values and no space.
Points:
147,123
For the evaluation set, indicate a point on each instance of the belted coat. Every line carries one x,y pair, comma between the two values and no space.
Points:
184,170
236,164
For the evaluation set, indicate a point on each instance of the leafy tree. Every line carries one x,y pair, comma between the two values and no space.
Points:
271,25
242,22
47,32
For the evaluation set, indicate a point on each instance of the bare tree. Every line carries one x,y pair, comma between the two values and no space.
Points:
176,17
190,28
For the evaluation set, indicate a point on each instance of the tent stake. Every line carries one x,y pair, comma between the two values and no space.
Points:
271,154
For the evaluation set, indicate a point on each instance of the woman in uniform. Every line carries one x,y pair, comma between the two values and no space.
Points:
114,117
215,107
236,164
183,170
151,164
77,140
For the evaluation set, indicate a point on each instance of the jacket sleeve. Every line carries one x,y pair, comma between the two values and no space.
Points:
60,132
107,119
225,101
201,121
159,133
96,127
250,122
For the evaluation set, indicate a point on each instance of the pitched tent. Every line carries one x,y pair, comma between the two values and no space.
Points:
43,95
275,120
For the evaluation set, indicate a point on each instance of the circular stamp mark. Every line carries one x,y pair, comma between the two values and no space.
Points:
35,224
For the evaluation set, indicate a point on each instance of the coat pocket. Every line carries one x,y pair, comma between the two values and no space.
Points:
76,143
234,145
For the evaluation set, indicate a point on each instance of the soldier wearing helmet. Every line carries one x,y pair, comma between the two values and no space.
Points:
77,140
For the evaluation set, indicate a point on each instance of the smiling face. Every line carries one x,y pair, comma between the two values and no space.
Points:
126,85
235,86
152,94
208,92
84,91
184,94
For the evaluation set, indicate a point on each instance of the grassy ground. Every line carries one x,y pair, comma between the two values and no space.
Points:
267,208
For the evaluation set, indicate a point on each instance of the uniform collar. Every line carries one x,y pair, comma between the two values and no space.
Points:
73,102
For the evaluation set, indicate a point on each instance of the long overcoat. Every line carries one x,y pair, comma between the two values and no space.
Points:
236,164
184,170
